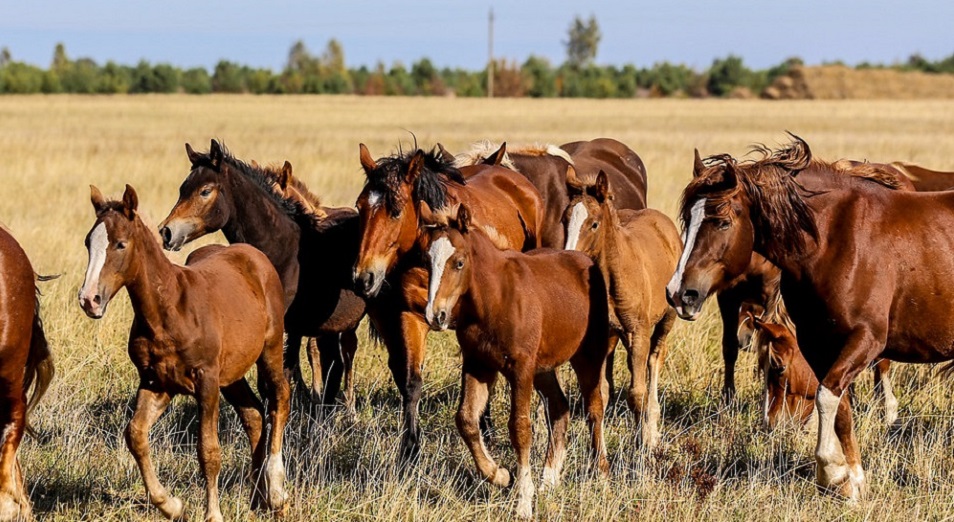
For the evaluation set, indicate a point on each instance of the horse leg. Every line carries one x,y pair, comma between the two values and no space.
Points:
657,356
589,371
293,365
210,456
332,368
150,405
14,502
349,347
276,396
250,412
729,305
475,391
521,436
882,385
558,417
318,369
610,384
639,346
486,421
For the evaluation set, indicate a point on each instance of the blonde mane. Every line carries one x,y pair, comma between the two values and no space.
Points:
481,150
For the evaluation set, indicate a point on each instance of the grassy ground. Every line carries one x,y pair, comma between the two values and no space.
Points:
715,463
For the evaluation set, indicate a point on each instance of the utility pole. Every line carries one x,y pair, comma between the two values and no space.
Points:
490,55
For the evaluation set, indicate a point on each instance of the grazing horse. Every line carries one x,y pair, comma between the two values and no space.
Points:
864,272
545,166
522,315
25,362
401,191
636,252
197,329
312,247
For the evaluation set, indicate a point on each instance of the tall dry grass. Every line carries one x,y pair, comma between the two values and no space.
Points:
715,465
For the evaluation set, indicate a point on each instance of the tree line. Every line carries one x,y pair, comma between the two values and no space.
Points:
327,73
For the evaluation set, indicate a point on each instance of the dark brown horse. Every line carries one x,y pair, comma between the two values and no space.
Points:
863,272
522,315
197,330
636,252
401,191
545,166
25,362
312,247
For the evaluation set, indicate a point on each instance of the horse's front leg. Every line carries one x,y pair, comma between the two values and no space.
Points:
150,404
882,384
210,457
14,502
474,394
729,304
521,436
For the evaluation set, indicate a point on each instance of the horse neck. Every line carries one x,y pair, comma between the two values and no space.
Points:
256,220
153,284
609,256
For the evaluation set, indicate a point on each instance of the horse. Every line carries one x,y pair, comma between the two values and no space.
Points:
401,192
545,166
522,315
925,180
636,252
25,363
863,272
313,248
197,329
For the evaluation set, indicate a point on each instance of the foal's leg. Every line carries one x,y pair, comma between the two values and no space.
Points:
332,368
150,405
882,384
293,365
249,409
638,361
318,368
729,304
657,356
210,456
610,384
14,503
589,372
349,347
474,393
521,436
558,417
270,372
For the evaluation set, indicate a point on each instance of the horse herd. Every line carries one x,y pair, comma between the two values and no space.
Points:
535,257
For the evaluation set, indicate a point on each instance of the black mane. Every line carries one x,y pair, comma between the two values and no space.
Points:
430,186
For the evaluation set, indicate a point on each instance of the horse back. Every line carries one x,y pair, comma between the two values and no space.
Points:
623,167
505,205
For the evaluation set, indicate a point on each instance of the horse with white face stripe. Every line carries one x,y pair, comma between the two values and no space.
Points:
522,315
636,251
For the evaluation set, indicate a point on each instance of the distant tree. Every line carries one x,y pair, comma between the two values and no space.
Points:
540,76
583,38
60,60
5,56
427,80
299,59
196,81
228,78
726,74
399,81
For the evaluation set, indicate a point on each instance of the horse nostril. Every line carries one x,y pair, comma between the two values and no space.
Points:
166,235
689,297
98,299
442,317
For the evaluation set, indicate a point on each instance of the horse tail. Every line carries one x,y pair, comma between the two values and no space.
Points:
39,367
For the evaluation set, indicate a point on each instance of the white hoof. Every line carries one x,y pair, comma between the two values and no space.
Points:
172,508
551,479
501,478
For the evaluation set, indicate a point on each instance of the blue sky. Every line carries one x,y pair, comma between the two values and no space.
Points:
259,33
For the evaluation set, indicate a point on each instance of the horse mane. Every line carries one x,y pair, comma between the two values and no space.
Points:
430,185
481,150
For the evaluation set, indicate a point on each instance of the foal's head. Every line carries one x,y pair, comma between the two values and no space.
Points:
449,265
788,378
586,212
113,243
389,208
204,205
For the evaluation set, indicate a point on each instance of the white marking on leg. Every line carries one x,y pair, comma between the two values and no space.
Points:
696,214
890,401
575,226
98,242
829,458
275,477
524,493
439,252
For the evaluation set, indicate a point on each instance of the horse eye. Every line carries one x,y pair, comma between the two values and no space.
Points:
206,192
596,225
121,245
460,264
724,225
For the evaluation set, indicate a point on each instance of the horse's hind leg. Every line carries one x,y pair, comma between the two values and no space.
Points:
657,356
210,456
293,365
14,503
349,347
150,404
332,368
276,396
249,409
474,393
558,416
882,386
589,368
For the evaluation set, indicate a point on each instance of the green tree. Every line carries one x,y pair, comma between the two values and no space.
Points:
583,38
228,78
196,81
541,77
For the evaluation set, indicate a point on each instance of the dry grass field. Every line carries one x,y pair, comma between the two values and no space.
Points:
715,465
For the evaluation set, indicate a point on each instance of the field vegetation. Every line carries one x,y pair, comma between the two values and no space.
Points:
715,463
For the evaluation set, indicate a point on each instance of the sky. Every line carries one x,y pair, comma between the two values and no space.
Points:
454,33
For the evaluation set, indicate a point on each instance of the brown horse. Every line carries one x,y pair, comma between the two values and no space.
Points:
926,180
636,252
401,191
545,166
522,315
198,329
25,362
863,272
313,248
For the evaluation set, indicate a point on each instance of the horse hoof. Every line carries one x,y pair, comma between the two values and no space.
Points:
501,478
524,509
551,480
214,517
11,510
173,509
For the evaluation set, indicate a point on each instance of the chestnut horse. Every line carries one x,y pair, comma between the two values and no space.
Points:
522,315
926,180
312,247
198,329
636,252
25,363
863,272
545,166
401,191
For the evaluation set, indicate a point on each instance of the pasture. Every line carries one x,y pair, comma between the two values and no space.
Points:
714,461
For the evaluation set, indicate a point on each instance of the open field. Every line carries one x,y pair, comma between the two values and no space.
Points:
716,464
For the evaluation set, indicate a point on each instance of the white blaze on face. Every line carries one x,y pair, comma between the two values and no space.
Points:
575,226
439,253
696,214
374,197
98,241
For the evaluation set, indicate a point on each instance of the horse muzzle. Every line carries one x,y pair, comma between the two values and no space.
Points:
368,283
174,235
93,304
687,302
438,320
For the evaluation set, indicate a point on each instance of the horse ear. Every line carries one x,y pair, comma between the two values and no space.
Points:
194,156
697,165
497,157
445,155
96,197
215,154
367,162
285,175
130,202
602,188
464,220
415,165
574,185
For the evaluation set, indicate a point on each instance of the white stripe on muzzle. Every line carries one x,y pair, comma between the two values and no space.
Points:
98,242
575,226
440,251
696,214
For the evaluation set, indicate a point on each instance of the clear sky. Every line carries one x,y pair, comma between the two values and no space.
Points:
454,33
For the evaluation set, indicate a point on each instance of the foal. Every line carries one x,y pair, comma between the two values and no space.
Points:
522,315
636,252
197,329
